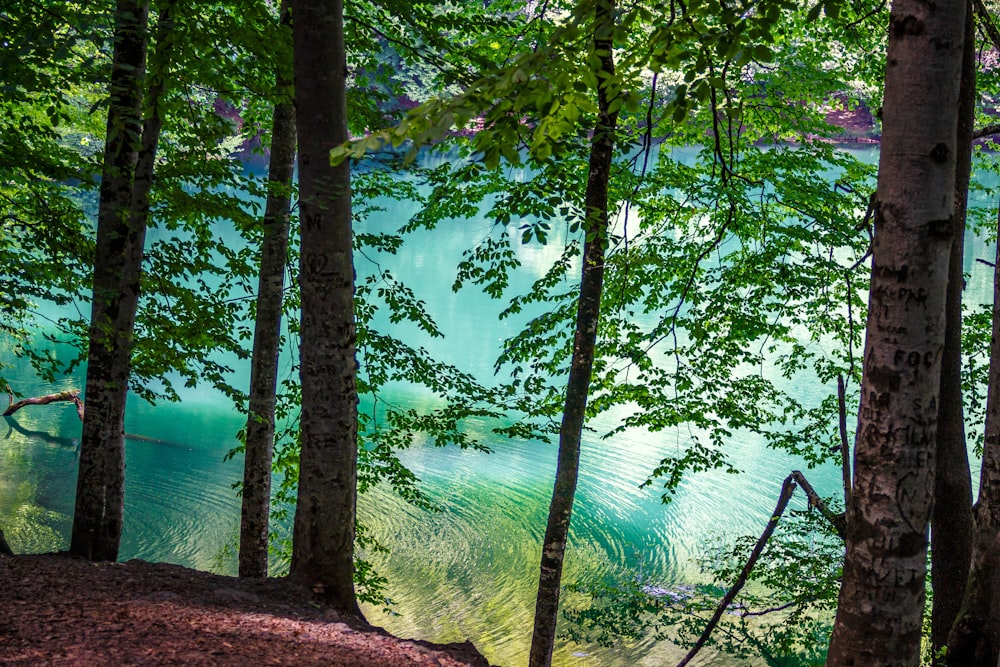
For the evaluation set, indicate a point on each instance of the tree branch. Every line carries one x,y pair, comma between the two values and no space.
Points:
986,21
837,521
69,395
987,131
787,488
845,446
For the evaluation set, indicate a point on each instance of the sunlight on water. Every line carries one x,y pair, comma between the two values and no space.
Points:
466,572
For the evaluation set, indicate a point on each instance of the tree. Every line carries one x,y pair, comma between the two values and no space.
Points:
129,158
325,512
974,640
267,334
951,519
595,230
882,593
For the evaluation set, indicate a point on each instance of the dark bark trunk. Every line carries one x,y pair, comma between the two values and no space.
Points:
267,336
881,600
5,549
951,520
97,520
121,234
323,536
584,339
975,637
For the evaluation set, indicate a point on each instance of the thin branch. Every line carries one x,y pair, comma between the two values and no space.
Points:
987,131
845,447
837,521
787,487
770,610
986,21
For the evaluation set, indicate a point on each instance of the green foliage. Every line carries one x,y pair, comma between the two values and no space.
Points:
731,269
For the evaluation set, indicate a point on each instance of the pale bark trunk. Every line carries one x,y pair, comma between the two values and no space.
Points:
584,340
323,536
97,519
951,520
882,592
267,336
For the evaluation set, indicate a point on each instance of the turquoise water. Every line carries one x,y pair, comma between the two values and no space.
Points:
467,572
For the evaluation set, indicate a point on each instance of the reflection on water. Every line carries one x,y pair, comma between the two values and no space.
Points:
468,571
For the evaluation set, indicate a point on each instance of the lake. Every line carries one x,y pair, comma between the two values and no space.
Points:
467,572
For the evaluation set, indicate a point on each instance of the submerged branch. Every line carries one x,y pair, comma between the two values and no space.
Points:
74,396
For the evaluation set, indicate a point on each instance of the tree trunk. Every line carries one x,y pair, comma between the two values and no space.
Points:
5,549
882,591
975,638
584,339
323,535
951,519
97,519
267,335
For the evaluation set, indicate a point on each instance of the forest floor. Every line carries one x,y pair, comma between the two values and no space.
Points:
59,610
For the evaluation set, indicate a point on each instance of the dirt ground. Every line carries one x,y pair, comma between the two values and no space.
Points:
60,610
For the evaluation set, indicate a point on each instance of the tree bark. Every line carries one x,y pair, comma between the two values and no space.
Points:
325,513
975,638
5,549
951,519
584,340
882,591
97,519
122,218
267,334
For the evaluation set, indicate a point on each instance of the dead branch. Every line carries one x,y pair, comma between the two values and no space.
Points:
69,395
837,521
787,488
770,610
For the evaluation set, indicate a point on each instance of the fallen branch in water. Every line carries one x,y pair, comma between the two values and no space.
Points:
68,395
74,395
